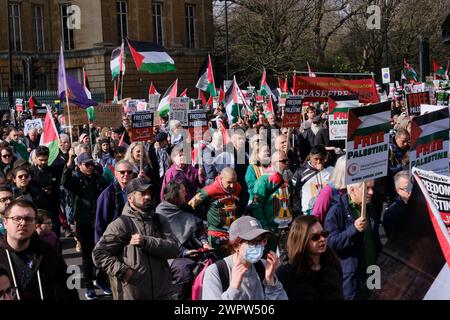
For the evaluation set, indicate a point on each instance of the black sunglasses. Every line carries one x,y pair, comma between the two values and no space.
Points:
317,236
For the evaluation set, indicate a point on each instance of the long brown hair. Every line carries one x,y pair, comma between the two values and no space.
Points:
297,245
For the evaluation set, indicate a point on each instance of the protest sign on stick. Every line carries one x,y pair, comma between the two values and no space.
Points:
338,107
293,112
108,115
178,110
141,126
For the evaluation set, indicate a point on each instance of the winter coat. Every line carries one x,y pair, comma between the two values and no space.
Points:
308,182
222,207
325,284
348,243
113,254
46,262
271,201
187,177
110,204
186,227
85,190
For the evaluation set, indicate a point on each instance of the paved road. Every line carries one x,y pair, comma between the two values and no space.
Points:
74,258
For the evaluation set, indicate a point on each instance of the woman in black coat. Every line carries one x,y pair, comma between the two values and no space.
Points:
313,271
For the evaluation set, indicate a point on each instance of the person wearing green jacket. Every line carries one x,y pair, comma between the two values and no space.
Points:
271,198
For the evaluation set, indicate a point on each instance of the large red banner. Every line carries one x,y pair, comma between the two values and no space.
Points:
320,88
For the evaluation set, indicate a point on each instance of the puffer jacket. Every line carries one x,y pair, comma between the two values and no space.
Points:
113,254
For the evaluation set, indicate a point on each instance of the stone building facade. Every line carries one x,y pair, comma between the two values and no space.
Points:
184,27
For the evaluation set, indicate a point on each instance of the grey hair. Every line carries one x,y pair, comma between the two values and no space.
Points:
64,137
338,175
354,186
123,161
398,176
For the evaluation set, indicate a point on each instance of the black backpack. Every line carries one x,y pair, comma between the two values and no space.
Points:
225,275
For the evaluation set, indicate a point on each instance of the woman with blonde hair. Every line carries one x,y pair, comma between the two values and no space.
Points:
332,191
133,155
313,271
259,164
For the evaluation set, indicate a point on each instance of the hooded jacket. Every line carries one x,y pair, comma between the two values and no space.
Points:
113,254
308,182
38,266
222,207
187,228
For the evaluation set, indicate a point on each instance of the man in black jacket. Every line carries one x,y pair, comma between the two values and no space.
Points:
36,269
86,186
44,178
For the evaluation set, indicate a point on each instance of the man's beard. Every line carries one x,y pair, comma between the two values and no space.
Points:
145,207
286,173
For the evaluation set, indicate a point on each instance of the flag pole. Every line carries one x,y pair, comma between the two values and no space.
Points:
364,200
67,96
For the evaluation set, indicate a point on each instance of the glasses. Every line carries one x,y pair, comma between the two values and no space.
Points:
283,161
48,222
260,240
2,200
18,219
24,176
129,172
88,164
6,155
403,189
10,293
317,236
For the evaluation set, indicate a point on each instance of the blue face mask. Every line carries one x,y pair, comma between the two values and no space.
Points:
253,253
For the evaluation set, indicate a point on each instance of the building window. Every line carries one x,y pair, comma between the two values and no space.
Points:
158,22
38,26
122,20
15,27
17,81
190,25
66,32
40,81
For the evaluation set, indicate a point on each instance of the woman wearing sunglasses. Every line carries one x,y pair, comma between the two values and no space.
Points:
22,188
313,271
243,275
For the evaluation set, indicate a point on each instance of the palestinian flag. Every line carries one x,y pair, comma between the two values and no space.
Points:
150,57
439,72
310,73
206,78
243,98
232,103
264,88
31,104
152,89
90,111
50,138
117,63
269,109
429,142
409,70
337,115
221,95
184,93
164,104
201,96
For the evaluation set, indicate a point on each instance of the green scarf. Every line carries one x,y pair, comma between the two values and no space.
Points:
369,243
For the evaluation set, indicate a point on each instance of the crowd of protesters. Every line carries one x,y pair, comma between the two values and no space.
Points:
268,204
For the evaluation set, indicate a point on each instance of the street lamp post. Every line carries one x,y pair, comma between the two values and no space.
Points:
10,75
226,38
